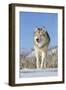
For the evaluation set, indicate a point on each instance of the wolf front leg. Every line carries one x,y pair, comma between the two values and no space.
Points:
43,62
37,60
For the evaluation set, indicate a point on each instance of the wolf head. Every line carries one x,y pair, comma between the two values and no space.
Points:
41,37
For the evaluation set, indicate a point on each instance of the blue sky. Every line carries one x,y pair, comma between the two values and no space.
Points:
28,22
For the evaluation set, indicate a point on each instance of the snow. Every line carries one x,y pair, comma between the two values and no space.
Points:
24,73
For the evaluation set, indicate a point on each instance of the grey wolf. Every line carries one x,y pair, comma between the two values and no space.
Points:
41,43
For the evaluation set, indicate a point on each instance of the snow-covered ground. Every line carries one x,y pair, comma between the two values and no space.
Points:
38,72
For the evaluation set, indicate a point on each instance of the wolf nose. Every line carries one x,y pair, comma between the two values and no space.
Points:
37,40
